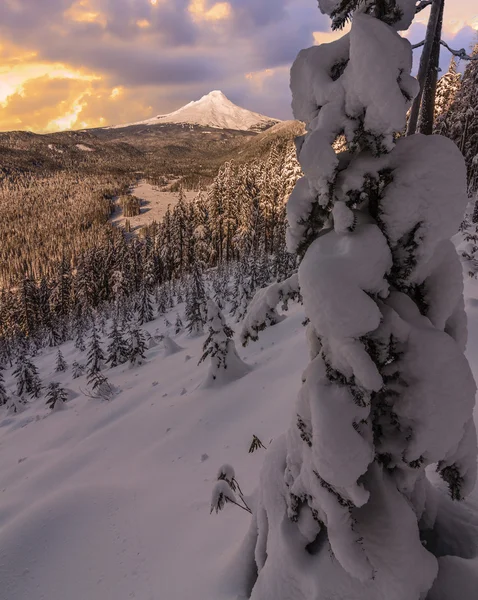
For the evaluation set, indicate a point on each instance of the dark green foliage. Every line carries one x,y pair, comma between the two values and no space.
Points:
27,378
137,346
255,444
56,396
3,391
61,364
96,357
118,348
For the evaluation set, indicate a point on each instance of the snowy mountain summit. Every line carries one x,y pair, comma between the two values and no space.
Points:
213,110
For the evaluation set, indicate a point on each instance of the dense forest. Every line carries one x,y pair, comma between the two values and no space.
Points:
64,265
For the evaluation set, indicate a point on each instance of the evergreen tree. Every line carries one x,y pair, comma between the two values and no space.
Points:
118,348
3,391
178,326
56,396
461,121
137,346
27,378
144,305
77,369
195,303
95,357
220,348
61,364
447,89
344,507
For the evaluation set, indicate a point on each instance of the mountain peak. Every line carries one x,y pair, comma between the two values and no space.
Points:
213,110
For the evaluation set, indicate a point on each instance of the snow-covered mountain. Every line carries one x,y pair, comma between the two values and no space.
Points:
212,110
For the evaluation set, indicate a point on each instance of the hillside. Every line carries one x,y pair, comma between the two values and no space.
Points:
110,500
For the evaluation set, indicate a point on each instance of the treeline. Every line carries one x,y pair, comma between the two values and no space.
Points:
236,228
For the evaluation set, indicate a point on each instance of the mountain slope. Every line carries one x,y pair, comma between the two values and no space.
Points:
212,110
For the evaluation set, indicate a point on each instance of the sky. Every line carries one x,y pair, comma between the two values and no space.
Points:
70,64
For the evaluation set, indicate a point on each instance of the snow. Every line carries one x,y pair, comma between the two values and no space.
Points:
154,204
112,499
212,110
84,148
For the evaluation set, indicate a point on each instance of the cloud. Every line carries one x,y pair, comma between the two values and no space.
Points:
159,54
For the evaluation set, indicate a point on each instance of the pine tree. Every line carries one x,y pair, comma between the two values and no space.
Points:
461,122
344,507
95,358
56,396
118,348
27,378
447,89
178,326
220,348
3,391
61,364
195,303
77,369
144,305
137,346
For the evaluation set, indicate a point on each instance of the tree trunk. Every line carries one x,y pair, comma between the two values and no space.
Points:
425,63
427,112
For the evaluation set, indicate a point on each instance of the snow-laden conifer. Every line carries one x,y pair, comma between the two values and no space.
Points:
195,303
137,346
3,390
219,346
56,396
96,356
118,348
27,378
61,364
345,508
77,369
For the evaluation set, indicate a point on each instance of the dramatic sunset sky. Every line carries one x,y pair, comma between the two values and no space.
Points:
86,63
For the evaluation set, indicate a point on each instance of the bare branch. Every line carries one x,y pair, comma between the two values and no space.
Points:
461,54
422,5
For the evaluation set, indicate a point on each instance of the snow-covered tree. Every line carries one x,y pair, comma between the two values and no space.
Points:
96,357
77,369
220,348
195,303
61,364
144,305
27,378
3,390
56,396
118,348
137,346
447,89
344,507
461,121
178,325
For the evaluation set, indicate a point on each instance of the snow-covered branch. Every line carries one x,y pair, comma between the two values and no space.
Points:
262,311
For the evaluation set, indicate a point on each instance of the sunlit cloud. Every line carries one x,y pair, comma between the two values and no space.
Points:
143,23
83,11
217,12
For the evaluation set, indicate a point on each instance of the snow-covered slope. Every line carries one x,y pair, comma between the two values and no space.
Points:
110,500
213,110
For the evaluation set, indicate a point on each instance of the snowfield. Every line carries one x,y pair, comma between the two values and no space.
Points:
153,207
110,500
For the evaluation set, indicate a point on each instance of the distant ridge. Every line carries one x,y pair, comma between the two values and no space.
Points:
212,110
